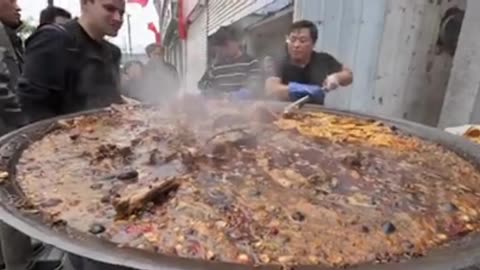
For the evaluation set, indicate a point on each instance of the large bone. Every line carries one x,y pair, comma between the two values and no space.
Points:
138,199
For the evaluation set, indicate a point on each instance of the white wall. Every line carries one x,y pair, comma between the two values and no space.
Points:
411,77
189,5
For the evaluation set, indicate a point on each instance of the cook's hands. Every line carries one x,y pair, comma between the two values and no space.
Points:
299,90
331,82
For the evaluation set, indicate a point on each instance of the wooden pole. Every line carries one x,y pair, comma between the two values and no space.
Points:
129,35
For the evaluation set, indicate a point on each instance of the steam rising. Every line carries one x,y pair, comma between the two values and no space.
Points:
156,84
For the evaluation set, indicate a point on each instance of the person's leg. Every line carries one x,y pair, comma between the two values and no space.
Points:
2,262
16,248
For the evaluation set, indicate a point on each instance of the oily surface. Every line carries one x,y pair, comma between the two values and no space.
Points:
240,185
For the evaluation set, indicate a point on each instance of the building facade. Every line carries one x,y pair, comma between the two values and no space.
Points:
168,22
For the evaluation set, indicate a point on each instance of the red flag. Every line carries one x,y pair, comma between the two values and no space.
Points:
158,36
142,3
182,21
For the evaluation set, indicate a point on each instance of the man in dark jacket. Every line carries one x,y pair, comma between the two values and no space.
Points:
15,247
71,68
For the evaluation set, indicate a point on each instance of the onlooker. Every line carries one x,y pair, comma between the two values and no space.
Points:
233,72
161,78
134,70
268,66
54,15
134,78
15,248
84,68
305,72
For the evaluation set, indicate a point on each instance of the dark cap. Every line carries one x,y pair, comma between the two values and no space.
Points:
49,14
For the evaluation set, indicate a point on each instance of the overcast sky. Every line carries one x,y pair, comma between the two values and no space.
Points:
140,17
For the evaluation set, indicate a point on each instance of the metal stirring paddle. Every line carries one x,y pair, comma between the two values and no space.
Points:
296,105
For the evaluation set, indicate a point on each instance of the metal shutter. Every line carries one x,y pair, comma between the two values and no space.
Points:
226,12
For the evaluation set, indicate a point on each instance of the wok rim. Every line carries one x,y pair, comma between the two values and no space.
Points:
456,256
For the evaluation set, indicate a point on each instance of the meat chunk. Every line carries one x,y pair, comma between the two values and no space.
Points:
138,199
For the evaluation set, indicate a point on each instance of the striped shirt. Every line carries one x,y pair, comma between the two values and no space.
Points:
231,75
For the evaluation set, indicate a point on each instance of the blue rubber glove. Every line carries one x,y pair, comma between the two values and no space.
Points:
241,94
299,90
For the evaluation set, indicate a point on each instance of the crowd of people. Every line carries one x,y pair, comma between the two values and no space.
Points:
67,66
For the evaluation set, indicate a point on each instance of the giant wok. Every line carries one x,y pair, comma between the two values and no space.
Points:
218,185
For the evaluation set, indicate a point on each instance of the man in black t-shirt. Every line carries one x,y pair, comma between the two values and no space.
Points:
304,71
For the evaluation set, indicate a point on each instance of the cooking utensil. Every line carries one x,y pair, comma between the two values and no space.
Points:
296,105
